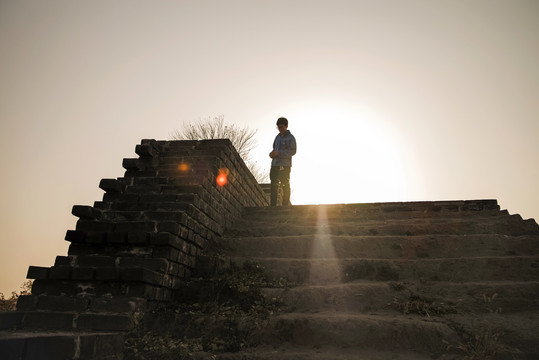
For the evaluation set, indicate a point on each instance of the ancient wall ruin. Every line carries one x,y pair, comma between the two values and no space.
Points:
136,245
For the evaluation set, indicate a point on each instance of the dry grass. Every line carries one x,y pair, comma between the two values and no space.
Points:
484,344
419,305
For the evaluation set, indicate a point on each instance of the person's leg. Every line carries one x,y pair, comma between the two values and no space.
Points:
285,182
274,178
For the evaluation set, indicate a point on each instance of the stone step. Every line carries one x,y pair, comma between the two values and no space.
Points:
365,331
390,247
318,352
103,304
126,288
102,274
61,345
337,217
377,211
327,271
344,336
517,332
66,321
436,298
498,225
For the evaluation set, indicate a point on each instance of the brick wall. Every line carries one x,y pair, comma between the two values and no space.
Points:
144,236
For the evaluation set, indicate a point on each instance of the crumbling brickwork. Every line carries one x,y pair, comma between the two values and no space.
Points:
138,243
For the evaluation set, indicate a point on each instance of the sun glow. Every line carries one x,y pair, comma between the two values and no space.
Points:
345,155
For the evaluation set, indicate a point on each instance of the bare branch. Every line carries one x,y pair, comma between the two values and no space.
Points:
243,139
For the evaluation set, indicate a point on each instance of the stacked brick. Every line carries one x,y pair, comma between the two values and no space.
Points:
142,240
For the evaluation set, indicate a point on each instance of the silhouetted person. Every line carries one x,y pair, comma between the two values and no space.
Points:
284,147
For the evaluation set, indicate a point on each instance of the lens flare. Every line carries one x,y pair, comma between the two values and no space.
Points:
222,178
183,167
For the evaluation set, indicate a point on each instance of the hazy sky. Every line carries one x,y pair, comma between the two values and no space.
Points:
395,100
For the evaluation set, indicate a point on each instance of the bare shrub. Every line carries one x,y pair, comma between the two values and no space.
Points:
243,139
10,304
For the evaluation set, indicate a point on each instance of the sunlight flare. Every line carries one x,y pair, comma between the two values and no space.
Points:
325,268
346,154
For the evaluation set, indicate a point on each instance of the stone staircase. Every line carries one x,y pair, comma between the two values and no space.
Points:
422,280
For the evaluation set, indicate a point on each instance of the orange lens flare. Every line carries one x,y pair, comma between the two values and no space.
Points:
222,178
183,167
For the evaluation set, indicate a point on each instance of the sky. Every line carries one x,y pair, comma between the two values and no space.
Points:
389,100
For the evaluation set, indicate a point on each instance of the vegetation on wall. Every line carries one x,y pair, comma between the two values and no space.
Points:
242,138
9,304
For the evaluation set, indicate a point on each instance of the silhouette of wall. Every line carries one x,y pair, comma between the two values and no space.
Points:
135,246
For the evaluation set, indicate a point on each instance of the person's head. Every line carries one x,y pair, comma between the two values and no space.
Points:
282,125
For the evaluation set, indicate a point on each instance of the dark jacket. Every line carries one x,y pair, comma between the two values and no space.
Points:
286,146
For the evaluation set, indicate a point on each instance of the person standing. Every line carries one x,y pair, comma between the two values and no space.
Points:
284,147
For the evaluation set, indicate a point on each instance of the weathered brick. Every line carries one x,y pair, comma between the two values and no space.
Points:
169,226
136,251
169,206
11,348
51,347
104,322
95,261
60,272
157,198
138,238
11,319
131,164
165,238
93,237
102,346
110,197
118,206
165,252
117,238
140,274
153,180
111,185
63,303
160,265
100,205
135,226
53,287
27,302
85,212
143,189
144,150
83,273
117,304
107,274
48,320
176,269
64,261
94,226
85,249
145,172
188,198
108,288
37,272
75,236
126,215
139,289
167,215
184,232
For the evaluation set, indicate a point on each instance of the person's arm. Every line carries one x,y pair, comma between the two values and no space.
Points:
274,153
